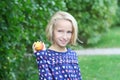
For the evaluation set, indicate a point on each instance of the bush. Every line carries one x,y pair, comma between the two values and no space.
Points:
22,23
94,17
117,17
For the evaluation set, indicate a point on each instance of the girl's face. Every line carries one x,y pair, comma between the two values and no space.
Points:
62,33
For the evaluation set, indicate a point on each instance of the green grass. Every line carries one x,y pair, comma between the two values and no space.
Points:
100,67
110,39
103,67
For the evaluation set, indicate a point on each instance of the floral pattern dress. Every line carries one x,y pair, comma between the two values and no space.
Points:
54,65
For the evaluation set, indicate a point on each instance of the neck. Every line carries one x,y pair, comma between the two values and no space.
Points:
57,48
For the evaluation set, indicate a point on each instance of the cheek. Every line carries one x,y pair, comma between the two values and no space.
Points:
56,35
70,36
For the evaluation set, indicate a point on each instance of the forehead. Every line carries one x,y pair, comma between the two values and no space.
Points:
63,24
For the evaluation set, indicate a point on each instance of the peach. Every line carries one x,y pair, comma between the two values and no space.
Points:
38,46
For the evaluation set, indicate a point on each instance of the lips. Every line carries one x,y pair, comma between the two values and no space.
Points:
63,41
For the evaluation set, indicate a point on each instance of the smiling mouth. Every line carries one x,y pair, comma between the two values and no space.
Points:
63,42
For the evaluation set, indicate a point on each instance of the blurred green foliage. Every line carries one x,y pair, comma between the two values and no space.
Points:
21,23
117,17
24,21
94,17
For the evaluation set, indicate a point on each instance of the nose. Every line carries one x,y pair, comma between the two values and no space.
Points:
65,36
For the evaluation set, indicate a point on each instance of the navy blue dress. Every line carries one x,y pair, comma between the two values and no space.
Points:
54,65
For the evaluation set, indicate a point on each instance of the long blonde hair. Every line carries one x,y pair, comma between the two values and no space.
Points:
62,15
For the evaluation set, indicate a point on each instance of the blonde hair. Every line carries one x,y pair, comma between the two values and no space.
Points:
62,15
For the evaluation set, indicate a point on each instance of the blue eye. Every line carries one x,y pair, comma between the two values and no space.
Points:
60,31
69,32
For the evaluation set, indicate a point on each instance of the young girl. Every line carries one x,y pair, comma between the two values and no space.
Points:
59,62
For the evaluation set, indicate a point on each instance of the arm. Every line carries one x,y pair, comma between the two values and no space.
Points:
43,67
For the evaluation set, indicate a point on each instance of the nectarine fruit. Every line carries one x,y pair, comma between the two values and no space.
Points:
38,46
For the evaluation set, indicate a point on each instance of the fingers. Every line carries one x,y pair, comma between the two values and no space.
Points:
33,47
44,47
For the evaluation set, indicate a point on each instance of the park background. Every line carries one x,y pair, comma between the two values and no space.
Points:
23,22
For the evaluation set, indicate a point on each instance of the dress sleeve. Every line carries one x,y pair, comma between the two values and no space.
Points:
44,71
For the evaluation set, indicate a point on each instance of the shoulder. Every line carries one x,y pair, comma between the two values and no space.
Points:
71,51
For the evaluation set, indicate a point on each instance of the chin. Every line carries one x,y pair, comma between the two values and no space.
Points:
63,45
